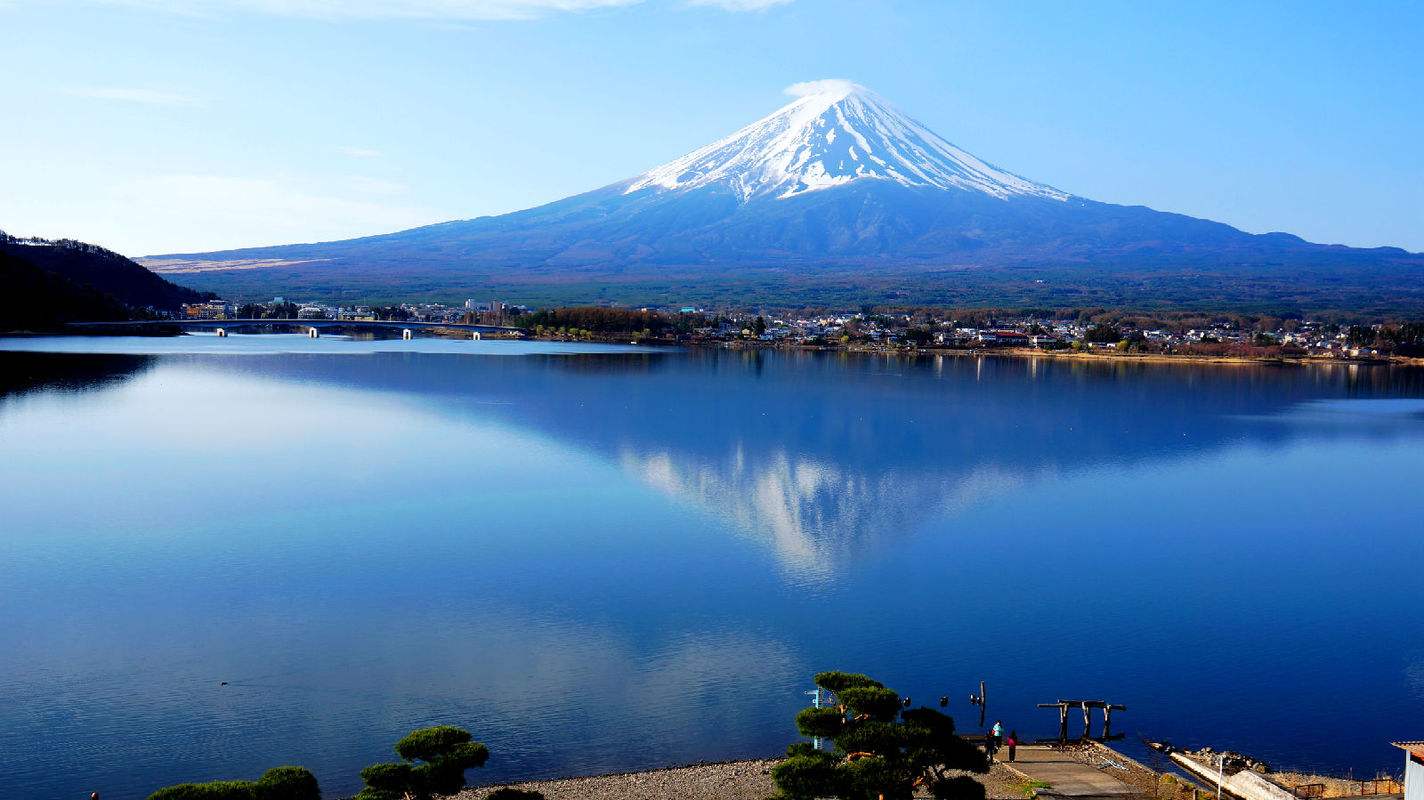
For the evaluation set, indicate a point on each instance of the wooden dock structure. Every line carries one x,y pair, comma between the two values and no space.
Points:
1087,706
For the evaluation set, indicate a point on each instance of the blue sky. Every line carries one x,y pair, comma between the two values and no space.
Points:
155,126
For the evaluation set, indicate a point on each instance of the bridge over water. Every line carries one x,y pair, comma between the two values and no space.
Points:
311,326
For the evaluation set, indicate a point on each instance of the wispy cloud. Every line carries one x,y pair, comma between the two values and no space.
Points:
740,5
124,94
445,10
375,9
359,152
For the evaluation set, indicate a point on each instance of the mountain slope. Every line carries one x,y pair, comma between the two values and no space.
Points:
835,183
43,284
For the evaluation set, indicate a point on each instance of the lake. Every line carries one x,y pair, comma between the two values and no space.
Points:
604,559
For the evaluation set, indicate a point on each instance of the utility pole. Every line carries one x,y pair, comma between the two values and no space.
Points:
1220,768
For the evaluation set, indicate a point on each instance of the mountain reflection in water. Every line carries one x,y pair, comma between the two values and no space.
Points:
604,562
825,455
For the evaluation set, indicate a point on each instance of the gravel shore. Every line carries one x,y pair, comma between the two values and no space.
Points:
733,780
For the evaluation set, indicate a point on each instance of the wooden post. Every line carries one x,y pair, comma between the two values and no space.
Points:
1107,721
1087,722
983,703
1063,722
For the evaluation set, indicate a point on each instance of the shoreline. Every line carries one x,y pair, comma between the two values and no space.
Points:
744,779
750,779
1087,356
1073,355
747,779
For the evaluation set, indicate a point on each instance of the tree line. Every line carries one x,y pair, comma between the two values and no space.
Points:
432,763
880,749
590,322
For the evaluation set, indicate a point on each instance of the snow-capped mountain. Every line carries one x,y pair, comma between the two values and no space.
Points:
834,133
835,189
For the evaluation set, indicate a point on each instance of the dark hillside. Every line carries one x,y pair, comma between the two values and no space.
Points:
104,270
46,284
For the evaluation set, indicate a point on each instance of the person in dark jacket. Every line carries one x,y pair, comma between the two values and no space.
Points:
1013,743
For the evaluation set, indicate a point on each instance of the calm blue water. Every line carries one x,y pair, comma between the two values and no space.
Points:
609,559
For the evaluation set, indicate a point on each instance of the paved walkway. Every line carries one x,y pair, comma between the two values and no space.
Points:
1065,776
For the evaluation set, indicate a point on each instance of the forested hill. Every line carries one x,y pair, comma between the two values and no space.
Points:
46,283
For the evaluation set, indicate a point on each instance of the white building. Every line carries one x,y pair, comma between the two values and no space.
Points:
1413,769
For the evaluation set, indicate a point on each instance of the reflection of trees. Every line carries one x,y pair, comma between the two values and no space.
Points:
600,364
23,373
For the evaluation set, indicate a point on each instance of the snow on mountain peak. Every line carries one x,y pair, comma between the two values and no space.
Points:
833,133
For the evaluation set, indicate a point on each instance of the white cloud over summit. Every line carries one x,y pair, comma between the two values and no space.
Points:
805,88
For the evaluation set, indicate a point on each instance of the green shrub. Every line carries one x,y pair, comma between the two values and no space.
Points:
875,776
875,702
212,790
288,783
807,776
824,722
871,736
391,779
444,753
837,682
879,752
278,783
427,744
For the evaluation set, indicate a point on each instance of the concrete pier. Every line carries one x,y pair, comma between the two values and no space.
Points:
1064,775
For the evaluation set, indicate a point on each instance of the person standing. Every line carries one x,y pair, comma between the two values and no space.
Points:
997,734
1013,743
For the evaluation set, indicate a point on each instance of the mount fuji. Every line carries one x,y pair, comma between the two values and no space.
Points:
836,196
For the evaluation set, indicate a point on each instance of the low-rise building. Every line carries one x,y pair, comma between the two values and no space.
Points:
1413,769
1003,338
213,309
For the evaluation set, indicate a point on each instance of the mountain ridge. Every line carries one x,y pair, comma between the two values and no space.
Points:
835,181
